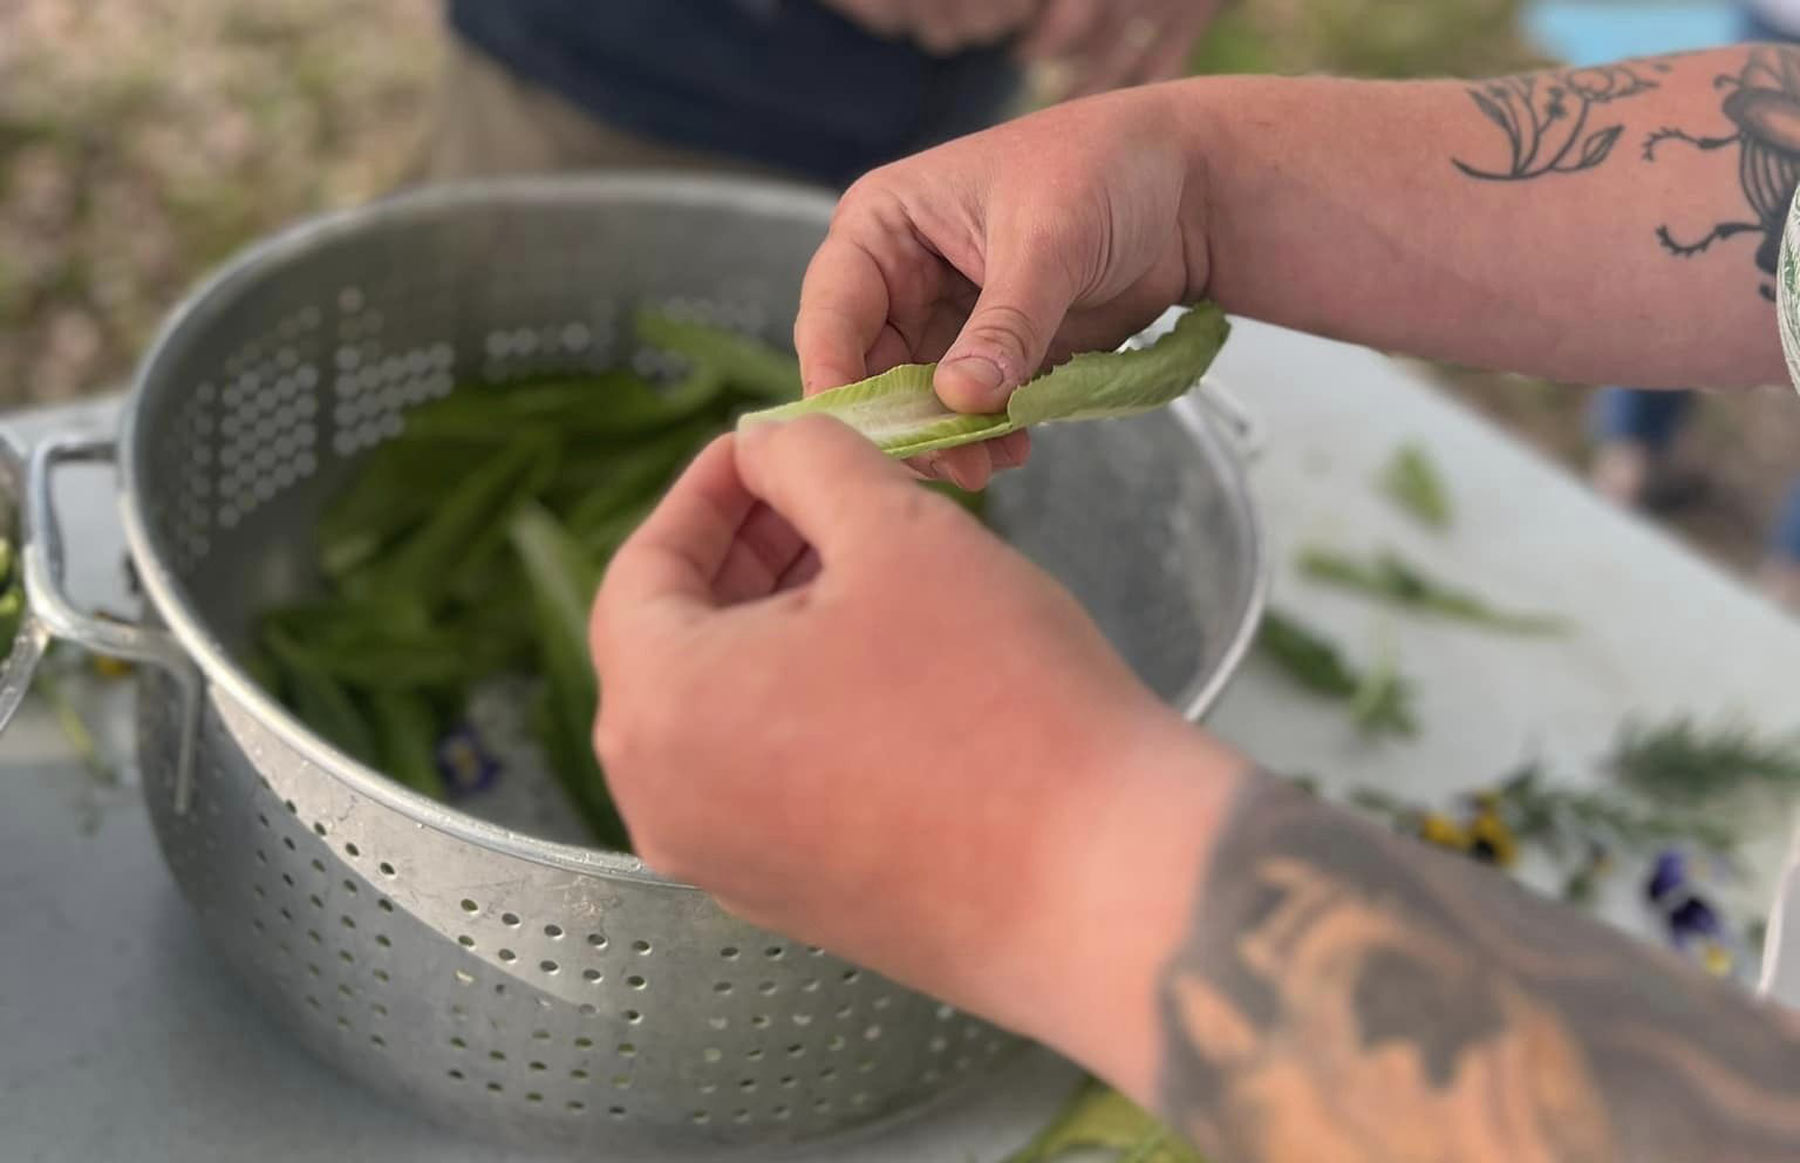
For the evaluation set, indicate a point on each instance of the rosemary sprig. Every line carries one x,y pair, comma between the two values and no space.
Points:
1391,579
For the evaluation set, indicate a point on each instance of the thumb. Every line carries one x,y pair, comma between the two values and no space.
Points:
1007,336
825,479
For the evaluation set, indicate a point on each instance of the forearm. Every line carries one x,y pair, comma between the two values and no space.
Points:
1335,991
1601,225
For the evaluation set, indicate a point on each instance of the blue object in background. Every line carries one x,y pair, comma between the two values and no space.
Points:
1592,32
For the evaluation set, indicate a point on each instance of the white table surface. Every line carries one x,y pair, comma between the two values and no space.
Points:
121,1039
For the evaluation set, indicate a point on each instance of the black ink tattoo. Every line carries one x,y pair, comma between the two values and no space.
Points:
1763,104
1546,119
1349,994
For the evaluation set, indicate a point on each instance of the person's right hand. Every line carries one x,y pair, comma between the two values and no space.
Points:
1064,231
939,26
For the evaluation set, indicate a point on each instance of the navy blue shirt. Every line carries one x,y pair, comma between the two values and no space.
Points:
787,83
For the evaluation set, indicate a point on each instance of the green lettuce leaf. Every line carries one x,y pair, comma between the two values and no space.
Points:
900,412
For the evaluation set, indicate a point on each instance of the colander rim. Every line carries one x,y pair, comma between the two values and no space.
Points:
667,187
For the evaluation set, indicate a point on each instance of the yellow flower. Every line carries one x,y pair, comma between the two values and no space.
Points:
1439,829
1490,839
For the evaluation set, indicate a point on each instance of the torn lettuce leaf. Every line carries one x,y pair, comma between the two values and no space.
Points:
900,412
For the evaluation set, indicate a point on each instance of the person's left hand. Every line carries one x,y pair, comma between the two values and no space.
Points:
1108,44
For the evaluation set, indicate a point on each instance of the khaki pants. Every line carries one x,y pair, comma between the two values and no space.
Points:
490,122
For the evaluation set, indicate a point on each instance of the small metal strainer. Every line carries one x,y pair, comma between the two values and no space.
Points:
495,976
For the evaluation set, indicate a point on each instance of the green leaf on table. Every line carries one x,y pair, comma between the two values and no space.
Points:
1682,763
900,411
1380,700
1099,1118
1391,579
1412,482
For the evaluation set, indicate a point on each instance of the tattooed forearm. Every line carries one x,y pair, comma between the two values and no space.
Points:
1349,994
1761,114
1552,121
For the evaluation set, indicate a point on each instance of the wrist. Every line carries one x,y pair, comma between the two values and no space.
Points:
1192,111
1123,863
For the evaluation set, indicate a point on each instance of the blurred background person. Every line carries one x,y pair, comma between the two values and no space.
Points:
819,90
1635,430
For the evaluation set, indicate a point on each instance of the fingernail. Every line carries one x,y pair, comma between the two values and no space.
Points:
979,379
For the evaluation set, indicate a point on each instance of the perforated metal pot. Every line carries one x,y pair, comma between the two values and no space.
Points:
492,971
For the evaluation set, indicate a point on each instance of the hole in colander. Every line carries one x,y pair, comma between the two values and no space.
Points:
621,1082
627,1050
780,1114
700,1118
385,905
466,941
640,947
633,1016
469,906
636,982
596,940
554,932
540,1035
575,1104
382,940
729,953
497,1055
456,1074
508,955
617,1112
740,1115
381,975
578,1074
533,1096
377,1040
712,1054
458,1044
549,966
495,1087
386,869
584,1042
760,1021
350,850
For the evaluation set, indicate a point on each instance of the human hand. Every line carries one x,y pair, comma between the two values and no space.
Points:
836,702
1106,44
1064,231
939,26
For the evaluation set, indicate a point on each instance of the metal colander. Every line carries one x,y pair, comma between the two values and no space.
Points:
488,970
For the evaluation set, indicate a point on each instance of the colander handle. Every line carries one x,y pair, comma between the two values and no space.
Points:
52,614
32,636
